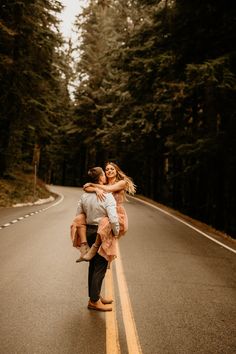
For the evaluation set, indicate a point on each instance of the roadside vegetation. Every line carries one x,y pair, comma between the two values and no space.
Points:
19,189
150,85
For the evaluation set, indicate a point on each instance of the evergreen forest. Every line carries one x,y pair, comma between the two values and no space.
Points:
148,84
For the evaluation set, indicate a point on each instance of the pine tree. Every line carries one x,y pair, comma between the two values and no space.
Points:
167,101
32,74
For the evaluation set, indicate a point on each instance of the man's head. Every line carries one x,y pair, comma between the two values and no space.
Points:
97,175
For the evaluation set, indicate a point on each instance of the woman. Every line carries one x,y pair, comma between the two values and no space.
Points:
119,184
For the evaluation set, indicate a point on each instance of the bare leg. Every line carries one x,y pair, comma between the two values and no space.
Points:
81,222
84,247
98,241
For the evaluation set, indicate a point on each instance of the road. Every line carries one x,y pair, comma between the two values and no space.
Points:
174,289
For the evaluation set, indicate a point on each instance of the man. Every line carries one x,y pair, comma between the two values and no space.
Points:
95,210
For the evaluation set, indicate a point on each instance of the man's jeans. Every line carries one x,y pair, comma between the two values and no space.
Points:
97,267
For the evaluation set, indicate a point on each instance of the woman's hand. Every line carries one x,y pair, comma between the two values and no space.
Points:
100,194
91,188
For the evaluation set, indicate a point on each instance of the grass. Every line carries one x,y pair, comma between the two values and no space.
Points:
19,188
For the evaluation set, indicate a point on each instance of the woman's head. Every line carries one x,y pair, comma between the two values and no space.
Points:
113,171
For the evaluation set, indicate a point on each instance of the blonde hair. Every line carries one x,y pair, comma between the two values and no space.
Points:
120,175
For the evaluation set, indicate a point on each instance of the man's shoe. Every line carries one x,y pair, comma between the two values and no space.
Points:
106,301
98,306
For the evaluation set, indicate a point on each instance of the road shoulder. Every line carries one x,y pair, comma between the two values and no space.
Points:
209,230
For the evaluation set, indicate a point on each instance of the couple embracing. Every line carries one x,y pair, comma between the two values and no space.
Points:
100,220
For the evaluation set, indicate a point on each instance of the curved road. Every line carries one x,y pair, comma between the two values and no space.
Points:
174,289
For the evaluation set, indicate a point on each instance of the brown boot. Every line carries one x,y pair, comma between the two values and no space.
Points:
98,306
91,253
84,248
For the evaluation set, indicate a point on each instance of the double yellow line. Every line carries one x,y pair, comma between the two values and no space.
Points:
112,335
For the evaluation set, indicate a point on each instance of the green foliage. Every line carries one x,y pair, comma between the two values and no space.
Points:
34,99
161,96
155,91
19,188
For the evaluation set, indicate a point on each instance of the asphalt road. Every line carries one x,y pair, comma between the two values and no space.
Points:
181,285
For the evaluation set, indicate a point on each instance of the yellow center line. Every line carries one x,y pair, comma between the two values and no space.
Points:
127,313
112,339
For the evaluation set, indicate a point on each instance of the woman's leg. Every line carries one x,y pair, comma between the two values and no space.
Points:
84,247
81,219
93,250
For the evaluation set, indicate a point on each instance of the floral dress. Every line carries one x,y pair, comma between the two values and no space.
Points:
108,246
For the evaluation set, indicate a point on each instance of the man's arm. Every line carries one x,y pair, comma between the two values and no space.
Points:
79,208
112,214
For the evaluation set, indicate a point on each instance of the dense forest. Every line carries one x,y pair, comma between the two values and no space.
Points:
152,88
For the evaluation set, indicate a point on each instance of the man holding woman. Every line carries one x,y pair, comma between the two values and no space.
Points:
95,210
117,183
96,207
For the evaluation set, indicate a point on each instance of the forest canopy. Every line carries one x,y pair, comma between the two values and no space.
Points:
153,90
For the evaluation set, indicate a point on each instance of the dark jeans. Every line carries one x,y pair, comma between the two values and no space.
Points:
97,267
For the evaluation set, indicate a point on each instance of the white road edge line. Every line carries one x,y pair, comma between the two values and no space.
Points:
58,202
33,213
127,313
186,223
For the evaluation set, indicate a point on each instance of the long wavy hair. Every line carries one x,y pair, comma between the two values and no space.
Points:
120,175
